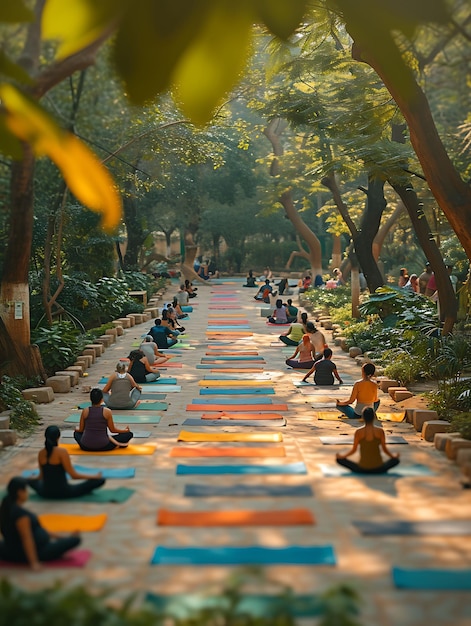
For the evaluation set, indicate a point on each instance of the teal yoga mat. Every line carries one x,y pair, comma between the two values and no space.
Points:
106,472
347,440
248,491
224,423
244,555
404,527
185,606
216,366
143,406
232,401
237,391
287,468
159,381
231,377
118,495
398,472
208,359
142,418
436,579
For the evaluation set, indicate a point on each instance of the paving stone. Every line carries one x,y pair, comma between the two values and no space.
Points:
106,340
431,427
59,384
8,437
74,376
385,383
440,439
125,322
113,333
76,368
392,390
421,416
132,319
39,395
463,456
97,347
354,351
88,359
5,419
453,445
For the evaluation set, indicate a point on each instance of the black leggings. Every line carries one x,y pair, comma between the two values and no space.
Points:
53,550
120,437
354,467
64,492
289,342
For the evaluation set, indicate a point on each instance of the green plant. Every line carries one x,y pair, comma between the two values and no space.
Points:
402,366
23,414
59,344
329,298
462,423
399,307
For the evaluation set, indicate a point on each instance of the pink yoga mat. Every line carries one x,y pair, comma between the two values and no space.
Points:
75,558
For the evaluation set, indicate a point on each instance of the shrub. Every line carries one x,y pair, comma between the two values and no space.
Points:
462,424
23,416
59,344
402,366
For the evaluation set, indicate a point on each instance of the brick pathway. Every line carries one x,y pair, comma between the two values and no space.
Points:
121,552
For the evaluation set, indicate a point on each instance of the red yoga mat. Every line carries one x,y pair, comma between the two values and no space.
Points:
75,558
242,416
215,408
287,517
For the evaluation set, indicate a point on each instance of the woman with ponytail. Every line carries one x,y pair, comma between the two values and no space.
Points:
25,540
54,465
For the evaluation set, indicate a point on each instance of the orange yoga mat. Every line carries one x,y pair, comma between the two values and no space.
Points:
61,523
242,416
139,449
286,517
235,383
217,353
235,408
218,451
236,370
226,333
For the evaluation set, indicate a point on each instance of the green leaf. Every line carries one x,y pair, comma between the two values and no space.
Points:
152,40
12,70
77,23
281,18
13,11
9,144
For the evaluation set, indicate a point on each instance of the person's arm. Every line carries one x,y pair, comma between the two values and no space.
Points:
147,365
384,446
69,468
109,419
83,416
295,353
134,384
336,374
160,355
23,526
352,397
311,371
356,440
107,387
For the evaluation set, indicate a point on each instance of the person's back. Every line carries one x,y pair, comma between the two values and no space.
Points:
182,296
296,332
323,374
367,391
370,454
120,389
149,348
159,334
95,434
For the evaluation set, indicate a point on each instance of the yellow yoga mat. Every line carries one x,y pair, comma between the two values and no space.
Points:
391,417
235,383
331,416
221,451
186,435
143,448
61,523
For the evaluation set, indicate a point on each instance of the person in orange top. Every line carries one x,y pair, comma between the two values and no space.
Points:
364,392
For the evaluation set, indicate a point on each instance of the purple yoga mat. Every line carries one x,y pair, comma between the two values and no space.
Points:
75,558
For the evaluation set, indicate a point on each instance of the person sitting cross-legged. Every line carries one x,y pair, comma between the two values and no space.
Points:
364,392
162,335
324,370
121,391
305,360
371,440
280,314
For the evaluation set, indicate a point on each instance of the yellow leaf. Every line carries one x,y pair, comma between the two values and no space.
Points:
86,177
77,23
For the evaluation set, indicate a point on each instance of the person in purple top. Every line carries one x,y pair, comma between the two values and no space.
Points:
95,422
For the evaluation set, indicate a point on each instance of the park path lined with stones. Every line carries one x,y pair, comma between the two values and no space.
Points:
122,551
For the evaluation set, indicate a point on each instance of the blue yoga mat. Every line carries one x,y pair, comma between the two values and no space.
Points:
185,606
398,472
237,391
147,406
244,555
288,468
231,401
276,423
186,308
106,472
159,381
143,417
229,328
404,527
247,491
216,357
432,579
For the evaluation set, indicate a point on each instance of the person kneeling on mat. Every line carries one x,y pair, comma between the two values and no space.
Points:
369,438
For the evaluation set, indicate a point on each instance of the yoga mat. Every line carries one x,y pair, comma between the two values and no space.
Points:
106,472
218,353
243,370
233,328
119,494
436,579
334,391
156,383
137,434
244,555
330,416
141,449
348,440
398,471
221,451
75,558
390,417
210,359
245,491
334,388
290,468
230,367
238,391
224,423
404,527
186,435
186,308
142,406
242,416
283,517
185,606
234,407
236,401
235,383
127,418
62,523
235,378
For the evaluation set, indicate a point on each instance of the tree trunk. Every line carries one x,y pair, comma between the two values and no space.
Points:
355,290
134,230
273,133
451,192
385,229
188,261
336,251
446,293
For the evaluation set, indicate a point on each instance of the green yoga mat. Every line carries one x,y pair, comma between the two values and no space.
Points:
118,495
143,406
186,606
126,418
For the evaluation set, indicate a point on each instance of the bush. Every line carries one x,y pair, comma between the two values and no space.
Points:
402,366
462,423
329,298
59,344
23,416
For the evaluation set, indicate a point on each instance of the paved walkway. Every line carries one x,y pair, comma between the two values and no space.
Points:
122,551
